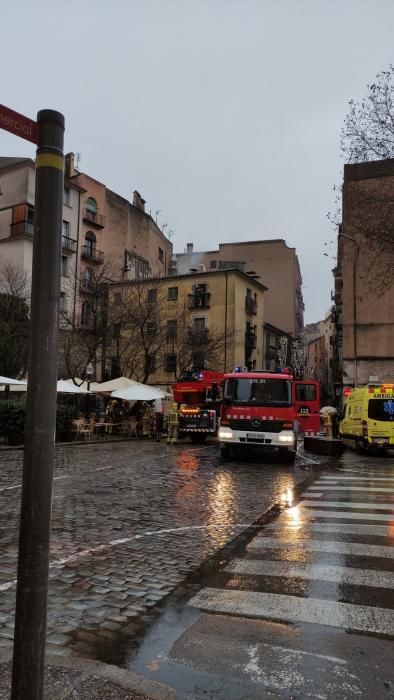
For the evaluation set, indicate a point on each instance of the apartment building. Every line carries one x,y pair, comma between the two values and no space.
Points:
209,319
17,191
363,277
271,262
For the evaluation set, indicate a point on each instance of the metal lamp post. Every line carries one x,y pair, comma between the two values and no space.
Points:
89,374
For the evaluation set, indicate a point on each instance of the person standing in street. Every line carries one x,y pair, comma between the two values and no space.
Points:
158,423
173,424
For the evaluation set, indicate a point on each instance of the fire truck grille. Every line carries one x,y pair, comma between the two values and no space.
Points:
265,426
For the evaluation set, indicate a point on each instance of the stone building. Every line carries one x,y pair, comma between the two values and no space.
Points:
364,277
209,319
272,261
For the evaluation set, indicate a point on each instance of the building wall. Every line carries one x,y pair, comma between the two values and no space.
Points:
229,327
278,268
366,263
316,359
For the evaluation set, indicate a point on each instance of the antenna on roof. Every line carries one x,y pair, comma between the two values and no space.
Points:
157,212
78,157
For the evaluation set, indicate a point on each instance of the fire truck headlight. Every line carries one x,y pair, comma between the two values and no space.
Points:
225,433
286,438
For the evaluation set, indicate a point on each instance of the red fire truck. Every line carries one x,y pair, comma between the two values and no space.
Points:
261,410
199,396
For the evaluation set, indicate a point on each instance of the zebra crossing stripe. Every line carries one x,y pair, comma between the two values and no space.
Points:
360,618
351,548
365,530
350,488
355,478
337,514
348,504
314,572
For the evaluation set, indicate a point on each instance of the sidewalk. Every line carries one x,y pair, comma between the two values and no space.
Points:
84,679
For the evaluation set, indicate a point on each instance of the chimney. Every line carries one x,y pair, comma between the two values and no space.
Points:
69,166
189,247
138,202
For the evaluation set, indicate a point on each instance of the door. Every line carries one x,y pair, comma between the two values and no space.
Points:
307,405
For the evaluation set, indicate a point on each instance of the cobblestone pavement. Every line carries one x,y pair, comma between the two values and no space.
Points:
130,522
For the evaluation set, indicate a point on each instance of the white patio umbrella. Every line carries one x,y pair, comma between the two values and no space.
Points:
64,387
116,385
11,382
82,385
139,392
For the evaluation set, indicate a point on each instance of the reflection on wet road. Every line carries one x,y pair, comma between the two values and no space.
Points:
130,521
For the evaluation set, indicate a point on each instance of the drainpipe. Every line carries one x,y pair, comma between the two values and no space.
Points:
77,259
225,327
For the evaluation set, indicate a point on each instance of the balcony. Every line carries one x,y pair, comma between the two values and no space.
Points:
250,341
69,245
171,338
198,337
198,301
92,254
250,305
336,297
87,287
93,217
22,228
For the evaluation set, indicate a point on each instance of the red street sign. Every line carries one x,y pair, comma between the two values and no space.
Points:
18,124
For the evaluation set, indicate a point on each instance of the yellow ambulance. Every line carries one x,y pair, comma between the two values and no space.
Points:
367,420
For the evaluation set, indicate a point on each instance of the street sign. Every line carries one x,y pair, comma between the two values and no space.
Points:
18,124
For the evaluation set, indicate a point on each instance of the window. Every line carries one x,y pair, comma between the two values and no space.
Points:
381,409
86,314
258,392
172,294
213,264
305,392
172,329
62,302
90,242
91,205
152,296
199,324
66,196
66,229
64,266
151,328
151,363
161,255
170,363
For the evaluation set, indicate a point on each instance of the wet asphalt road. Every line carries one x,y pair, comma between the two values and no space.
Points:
304,608
131,520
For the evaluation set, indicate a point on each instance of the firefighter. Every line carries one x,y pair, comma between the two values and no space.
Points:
173,424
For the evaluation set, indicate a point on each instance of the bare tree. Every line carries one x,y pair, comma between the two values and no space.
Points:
368,133
85,326
14,321
147,338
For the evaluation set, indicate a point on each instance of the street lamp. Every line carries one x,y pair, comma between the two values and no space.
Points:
353,240
89,374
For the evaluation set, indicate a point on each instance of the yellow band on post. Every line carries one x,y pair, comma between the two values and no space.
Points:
50,160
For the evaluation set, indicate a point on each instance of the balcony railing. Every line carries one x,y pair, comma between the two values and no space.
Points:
93,217
69,244
250,341
87,287
250,305
198,301
170,338
92,254
198,337
22,228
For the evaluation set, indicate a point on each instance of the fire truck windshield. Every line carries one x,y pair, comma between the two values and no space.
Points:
258,392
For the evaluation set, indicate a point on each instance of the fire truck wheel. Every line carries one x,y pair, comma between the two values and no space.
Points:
198,438
225,452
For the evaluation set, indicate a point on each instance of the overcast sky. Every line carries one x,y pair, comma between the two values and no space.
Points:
224,114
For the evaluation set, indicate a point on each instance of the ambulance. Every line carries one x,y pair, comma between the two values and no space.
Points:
367,420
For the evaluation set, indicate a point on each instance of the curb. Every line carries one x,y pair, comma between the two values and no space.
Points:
126,680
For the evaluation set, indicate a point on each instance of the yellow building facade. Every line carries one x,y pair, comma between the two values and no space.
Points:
208,320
